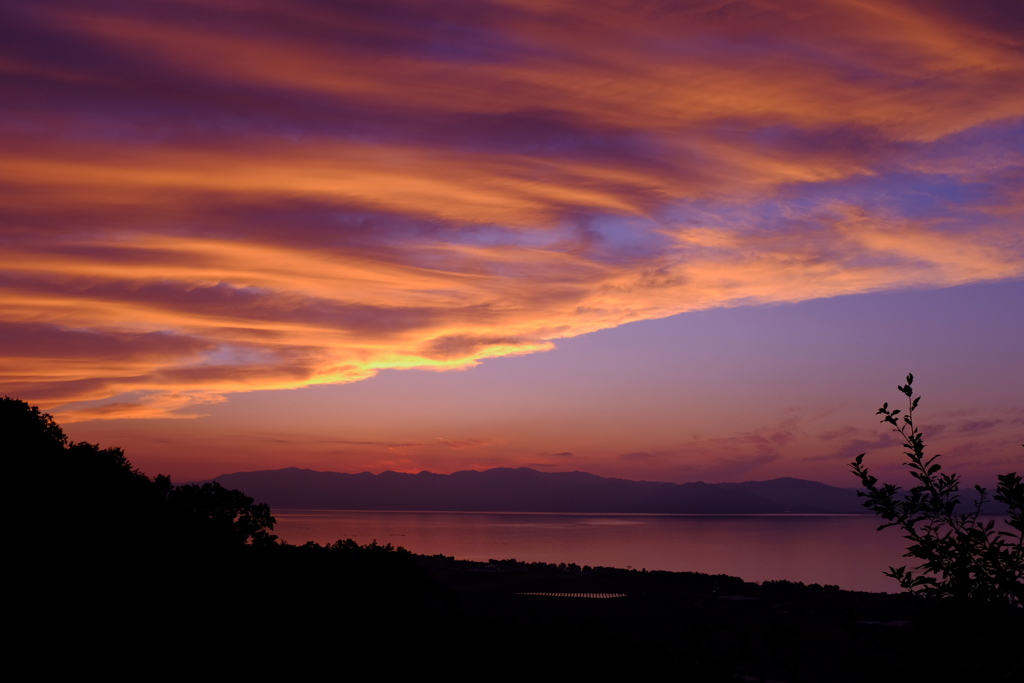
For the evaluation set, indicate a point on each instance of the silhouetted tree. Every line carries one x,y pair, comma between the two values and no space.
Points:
94,497
224,516
961,556
26,430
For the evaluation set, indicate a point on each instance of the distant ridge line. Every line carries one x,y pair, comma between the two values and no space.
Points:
524,489
599,596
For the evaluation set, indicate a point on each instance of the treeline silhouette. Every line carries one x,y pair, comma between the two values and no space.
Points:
124,575
124,571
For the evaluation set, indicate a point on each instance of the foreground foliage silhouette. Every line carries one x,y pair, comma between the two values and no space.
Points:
962,557
118,506
124,570
123,579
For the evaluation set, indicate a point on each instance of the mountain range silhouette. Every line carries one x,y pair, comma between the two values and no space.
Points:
523,489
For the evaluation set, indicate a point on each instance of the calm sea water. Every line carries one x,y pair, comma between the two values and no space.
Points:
844,550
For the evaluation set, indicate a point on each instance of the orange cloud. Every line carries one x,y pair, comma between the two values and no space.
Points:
198,200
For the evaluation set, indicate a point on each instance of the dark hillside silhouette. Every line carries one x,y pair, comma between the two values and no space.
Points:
95,498
129,576
130,572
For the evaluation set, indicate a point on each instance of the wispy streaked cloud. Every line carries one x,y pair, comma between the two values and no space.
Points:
201,198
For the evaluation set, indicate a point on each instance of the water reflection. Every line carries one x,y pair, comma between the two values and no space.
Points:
845,550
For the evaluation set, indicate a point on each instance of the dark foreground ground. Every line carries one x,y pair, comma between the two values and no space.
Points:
351,611
718,628
115,576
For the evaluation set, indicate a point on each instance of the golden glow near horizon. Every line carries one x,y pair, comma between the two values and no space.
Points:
216,197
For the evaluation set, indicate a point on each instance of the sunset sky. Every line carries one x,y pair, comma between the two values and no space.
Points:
677,241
